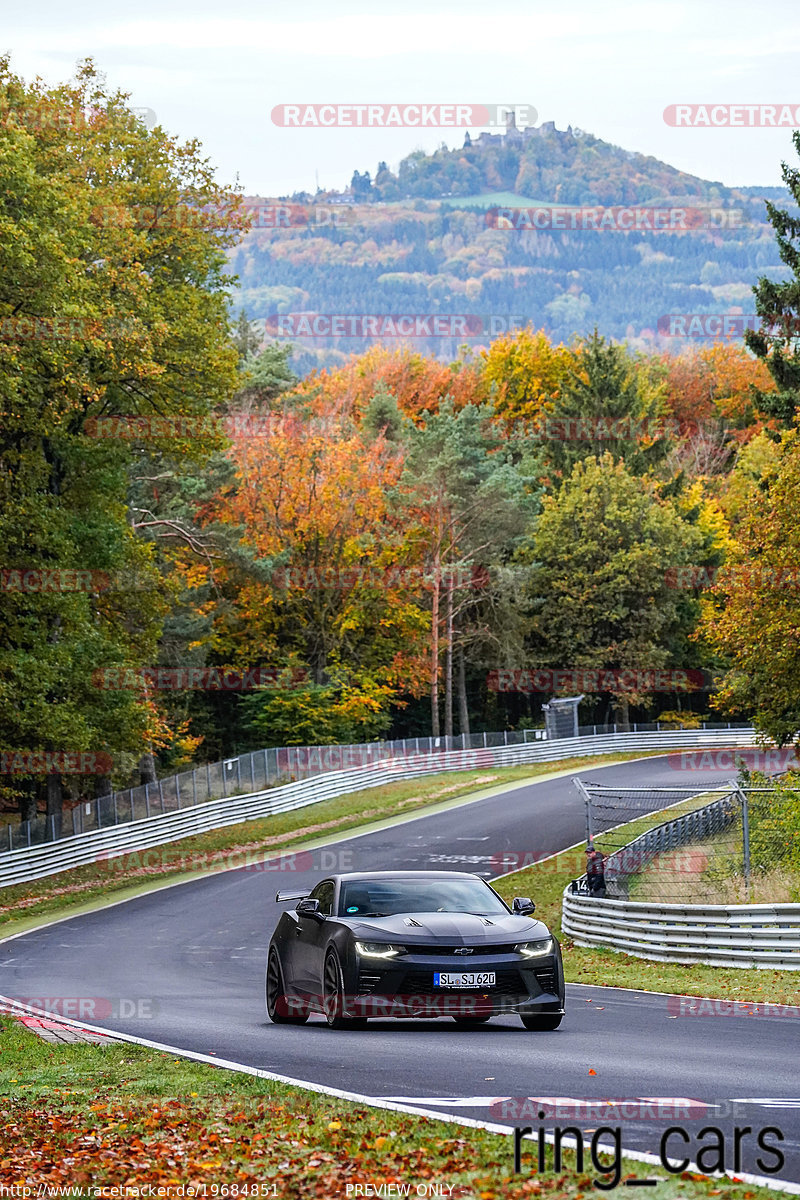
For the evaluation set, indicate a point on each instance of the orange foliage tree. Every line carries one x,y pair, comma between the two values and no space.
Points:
419,384
332,596
715,383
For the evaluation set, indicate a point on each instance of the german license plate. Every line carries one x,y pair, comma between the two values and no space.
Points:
463,979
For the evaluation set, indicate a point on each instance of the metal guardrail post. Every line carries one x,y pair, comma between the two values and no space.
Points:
178,791
194,785
745,841
147,798
588,803
161,795
252,770
238,772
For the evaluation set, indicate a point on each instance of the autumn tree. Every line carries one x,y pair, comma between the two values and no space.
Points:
419,384
112,303
710,400
339,603
601,593
526,373
752,616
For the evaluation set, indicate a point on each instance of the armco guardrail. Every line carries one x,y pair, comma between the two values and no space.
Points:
261,769
19,866
719,935
244,773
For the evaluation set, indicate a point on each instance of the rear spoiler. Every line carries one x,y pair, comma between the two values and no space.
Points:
281,897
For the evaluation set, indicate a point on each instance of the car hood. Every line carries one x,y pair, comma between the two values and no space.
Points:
459,928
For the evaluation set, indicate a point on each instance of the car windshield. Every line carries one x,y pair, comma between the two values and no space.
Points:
387,897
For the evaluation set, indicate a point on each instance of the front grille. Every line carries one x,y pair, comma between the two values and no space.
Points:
445,950
420,983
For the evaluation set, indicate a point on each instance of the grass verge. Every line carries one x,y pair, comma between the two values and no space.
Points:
88,1119
26,904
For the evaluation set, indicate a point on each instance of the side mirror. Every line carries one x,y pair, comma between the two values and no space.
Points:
309,908
521,905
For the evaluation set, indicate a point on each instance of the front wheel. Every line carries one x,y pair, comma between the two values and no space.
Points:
333,999
542,1021
277,1000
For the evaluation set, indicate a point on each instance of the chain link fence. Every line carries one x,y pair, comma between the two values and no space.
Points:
261,769
725,844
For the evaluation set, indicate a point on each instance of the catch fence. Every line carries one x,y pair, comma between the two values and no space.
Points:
259,770
723,844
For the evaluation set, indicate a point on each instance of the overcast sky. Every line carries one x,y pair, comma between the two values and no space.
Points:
215,71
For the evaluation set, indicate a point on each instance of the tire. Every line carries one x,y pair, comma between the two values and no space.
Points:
466,1022
333,996
276,993
542,1021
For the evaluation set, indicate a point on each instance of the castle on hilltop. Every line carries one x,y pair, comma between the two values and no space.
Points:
512,133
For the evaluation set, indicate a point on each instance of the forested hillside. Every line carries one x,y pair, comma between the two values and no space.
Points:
432,240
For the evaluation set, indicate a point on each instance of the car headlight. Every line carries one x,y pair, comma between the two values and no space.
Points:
379,950
535,949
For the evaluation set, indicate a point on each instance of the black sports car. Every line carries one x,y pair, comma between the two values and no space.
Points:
412,944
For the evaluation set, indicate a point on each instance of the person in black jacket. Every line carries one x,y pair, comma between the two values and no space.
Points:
595,871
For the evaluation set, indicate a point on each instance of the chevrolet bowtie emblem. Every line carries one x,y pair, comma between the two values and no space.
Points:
463,950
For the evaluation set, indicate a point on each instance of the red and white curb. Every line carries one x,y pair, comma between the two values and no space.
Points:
56,1029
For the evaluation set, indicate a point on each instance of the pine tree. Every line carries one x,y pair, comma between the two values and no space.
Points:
778,305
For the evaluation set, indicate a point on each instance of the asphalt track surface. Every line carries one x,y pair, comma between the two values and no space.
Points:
188,963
